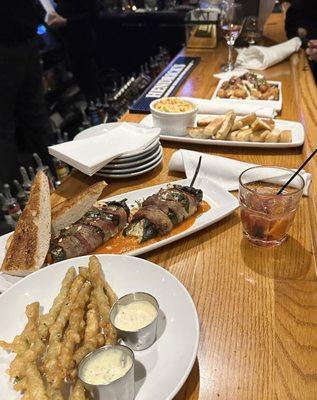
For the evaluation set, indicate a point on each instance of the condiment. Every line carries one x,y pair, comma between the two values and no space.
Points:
106,366
45,169
12,205
22,197
26,181
135,315
173,105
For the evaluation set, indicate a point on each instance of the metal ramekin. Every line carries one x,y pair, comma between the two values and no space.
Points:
120,389
143,337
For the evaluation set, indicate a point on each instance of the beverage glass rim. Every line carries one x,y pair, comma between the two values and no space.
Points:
236,4
267,167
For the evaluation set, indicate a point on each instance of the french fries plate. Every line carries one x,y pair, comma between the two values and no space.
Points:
161,370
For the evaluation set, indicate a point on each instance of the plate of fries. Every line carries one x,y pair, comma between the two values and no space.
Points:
51,320
237,131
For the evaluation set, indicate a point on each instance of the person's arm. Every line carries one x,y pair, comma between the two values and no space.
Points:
295,24
88,12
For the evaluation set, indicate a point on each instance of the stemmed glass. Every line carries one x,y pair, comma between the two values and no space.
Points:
231,22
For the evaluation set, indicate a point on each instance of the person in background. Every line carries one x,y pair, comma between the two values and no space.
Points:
311,50
23,113
76,20
301,20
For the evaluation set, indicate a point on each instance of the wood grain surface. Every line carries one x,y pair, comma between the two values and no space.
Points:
257,307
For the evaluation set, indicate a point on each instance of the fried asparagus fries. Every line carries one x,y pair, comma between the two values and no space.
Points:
51,346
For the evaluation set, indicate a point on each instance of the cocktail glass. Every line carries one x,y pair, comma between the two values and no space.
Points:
267,216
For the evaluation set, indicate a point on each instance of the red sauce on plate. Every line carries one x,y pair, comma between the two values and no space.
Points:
120,244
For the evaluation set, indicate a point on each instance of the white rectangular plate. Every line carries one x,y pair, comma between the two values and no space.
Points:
298,135
277,104
222,204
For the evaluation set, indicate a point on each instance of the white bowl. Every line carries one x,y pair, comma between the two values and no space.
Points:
173,124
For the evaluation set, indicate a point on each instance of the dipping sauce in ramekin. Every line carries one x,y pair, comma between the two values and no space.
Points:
108,373
173,105
135,315
105,367
173,115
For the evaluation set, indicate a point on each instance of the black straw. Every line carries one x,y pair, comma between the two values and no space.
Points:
297,172
196,172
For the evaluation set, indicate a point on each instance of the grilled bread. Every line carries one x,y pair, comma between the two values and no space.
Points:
71,210
30,241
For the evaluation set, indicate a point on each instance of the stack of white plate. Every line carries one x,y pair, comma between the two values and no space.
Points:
129,165
134,164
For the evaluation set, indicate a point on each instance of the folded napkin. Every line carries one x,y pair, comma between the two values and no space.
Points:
219,107
91,154
221,170
261,57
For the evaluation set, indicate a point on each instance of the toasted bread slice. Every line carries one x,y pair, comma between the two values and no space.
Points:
196,132
244,121
260,125
226,126
286,136
30,241
213,127
71,210
273,136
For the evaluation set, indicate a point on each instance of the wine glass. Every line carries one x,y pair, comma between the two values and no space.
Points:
231,22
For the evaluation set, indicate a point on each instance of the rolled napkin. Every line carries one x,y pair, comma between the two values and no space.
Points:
221,170
91,154
220,107
261,57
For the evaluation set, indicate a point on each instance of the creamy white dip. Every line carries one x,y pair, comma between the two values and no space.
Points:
135,315
106,366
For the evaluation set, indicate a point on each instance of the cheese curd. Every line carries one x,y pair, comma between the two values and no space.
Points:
106,366
135,315
173,105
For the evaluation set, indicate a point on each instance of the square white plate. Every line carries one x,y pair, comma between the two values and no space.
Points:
222,204
298,135
276,104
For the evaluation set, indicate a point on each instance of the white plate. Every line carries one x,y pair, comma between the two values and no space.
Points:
102,129
298,135
158,156
98,130
222,204
135,165
138,161
277,104
131,174
162,369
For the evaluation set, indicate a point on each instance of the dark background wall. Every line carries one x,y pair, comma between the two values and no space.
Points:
251,7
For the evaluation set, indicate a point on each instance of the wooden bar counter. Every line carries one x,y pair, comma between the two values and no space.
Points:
257,307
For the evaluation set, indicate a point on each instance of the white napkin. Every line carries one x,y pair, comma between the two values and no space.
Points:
221,170
91,154
261,57
220,107
237,71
